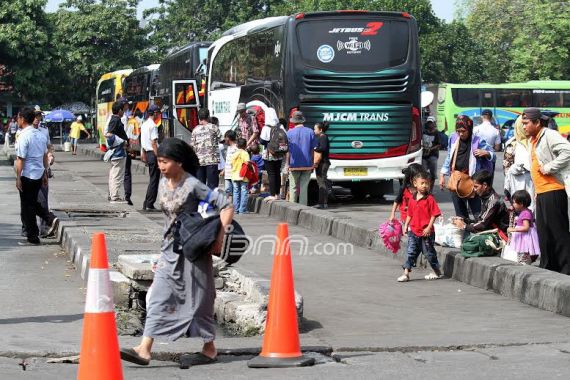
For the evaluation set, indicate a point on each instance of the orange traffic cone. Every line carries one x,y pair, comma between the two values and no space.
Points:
99,358
281,347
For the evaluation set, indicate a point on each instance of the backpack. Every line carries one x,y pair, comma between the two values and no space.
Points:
278,141
250,171
486,243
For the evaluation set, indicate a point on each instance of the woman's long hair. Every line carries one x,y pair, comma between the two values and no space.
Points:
179,151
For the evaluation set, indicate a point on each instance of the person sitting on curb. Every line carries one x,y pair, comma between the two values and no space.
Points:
494,213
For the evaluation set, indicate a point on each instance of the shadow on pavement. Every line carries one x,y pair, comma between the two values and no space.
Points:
43,319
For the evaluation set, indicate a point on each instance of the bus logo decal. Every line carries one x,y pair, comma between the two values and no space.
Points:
325,53
357,144
353,46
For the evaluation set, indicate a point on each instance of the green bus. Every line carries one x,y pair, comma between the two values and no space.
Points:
507,101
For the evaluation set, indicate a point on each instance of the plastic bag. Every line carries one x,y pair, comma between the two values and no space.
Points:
447,235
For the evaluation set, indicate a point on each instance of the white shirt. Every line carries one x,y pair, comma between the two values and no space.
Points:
487,132
31,146
149,132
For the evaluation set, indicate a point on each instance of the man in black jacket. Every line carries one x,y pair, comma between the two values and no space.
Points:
494,213
117,141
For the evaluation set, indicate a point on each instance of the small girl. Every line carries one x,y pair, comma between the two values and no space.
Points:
524,238
407,191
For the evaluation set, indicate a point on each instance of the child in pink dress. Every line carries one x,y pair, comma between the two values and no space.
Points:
524,238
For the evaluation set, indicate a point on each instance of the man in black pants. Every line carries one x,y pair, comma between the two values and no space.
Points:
550,157
149,152
31,173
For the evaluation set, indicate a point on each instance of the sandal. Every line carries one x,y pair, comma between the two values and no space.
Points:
403,278
197,358
433,276
130,355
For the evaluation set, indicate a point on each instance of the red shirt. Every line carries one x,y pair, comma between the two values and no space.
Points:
421,212
407,196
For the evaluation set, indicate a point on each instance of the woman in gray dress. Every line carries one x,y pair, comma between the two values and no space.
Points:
182,298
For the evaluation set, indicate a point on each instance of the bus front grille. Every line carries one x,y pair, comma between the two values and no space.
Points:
318,83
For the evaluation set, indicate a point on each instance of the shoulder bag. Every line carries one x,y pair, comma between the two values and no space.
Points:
459,182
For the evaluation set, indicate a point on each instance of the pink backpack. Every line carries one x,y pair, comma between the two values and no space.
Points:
391,234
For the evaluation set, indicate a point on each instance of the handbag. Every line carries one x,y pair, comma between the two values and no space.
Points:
459,182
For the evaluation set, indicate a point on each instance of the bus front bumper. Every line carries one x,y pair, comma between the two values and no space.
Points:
371,170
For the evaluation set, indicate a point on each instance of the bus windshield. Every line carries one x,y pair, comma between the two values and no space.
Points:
353,45
106,92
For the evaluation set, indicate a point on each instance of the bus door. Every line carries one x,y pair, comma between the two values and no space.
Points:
185,105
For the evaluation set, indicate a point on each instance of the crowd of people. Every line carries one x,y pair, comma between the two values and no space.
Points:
532,217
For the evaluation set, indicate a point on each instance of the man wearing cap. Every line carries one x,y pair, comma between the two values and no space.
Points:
487,131
430,145
247,126
149,154
550,172
75,133
302,142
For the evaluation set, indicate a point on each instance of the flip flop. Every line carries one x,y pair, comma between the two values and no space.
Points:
130,355
197,358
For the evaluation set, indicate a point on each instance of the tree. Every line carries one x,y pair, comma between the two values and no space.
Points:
541,51
495,24
23,42
92,38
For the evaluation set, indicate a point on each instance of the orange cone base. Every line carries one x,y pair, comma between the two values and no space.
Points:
266,362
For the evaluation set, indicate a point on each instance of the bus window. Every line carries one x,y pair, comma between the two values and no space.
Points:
565,98
547,98
381,44
274,55
465,97
513,98
487,98
257,59
106,92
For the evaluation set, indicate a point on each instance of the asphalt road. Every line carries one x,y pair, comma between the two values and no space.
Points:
378,327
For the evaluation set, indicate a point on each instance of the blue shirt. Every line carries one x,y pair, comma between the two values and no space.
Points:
258,161
31,147
302,142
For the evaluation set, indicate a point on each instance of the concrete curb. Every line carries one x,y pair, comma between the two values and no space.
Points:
137,166
528,284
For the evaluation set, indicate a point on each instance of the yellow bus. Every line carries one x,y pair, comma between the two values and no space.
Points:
109,89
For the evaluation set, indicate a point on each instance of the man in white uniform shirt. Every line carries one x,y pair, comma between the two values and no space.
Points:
487,131
31,173
149,154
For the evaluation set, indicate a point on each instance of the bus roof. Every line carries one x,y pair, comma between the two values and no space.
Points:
271,22
185,48
145,69
535,84
114,74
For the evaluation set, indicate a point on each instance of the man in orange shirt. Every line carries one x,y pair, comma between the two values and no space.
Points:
550,158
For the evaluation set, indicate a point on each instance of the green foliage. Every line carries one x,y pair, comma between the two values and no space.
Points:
23,41
542,51
92,38
59,57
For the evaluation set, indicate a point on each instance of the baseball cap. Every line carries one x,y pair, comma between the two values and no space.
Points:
153,108
241,107
533,113
487,112
79,118
430,119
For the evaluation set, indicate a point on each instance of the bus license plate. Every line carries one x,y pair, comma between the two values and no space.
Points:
355,172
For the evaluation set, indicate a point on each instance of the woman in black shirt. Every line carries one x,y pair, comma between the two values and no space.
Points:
322,165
